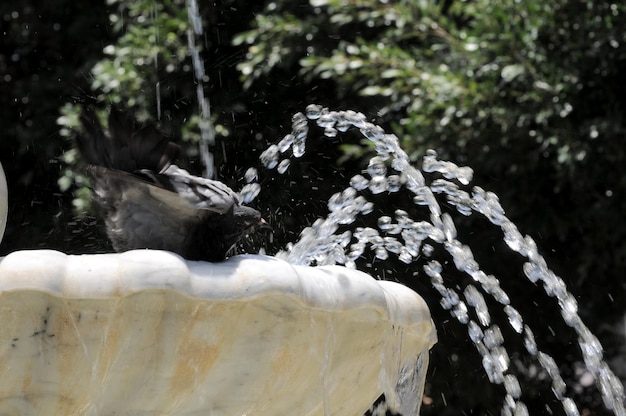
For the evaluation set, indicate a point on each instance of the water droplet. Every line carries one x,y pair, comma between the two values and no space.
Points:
474,331
269,157
449,299
449,170
378,184
298,148
381,253
508,406
403,218
548,363
344,238
493,337
558,387
372,132
520,409
414,180
314,111
393,228
411,244
428,250
449,229
462,202
384,222
343,125
358,120
512,237
433,267
356,250
460,313
286,143
394,183
376,167
298,119
406,255
498,294
475,299
493,369
532,272
554,285
330,132
570,407
392,245
299,131
365,234
511,384
437,235
501,361
400,164
464,175
444,186
249,192
366,207
359,182
529,341
326,121
251,175
569,309
487,203
283,166
515,318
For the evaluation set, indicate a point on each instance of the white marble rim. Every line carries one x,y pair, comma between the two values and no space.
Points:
105,276
4,202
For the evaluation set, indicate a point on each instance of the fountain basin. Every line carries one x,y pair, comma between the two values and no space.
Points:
148,333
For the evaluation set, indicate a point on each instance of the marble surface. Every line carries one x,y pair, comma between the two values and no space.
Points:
4,196
147,333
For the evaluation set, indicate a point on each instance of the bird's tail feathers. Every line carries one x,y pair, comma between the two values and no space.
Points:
127,146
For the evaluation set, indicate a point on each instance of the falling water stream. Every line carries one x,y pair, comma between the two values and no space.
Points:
207,131
390,171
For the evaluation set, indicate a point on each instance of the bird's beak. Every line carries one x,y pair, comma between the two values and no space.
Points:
263,225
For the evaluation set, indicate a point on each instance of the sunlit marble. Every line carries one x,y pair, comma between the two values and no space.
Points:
148,333
3,202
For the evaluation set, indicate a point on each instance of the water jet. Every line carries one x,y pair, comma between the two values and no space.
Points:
411,241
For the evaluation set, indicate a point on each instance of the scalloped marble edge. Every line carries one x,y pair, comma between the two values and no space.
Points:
258,336
105,276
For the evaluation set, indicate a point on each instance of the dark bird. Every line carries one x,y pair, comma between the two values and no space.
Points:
150,202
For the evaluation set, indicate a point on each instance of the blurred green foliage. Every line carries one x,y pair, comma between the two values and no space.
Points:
527,93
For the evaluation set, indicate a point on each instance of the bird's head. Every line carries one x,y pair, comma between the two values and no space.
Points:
231,228
248,220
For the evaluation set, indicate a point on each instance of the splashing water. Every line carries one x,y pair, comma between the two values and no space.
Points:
390,171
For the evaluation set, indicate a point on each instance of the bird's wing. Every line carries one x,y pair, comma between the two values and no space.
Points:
201,193
141,214
130,152
111,185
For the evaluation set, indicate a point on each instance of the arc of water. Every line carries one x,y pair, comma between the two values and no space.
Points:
320,244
